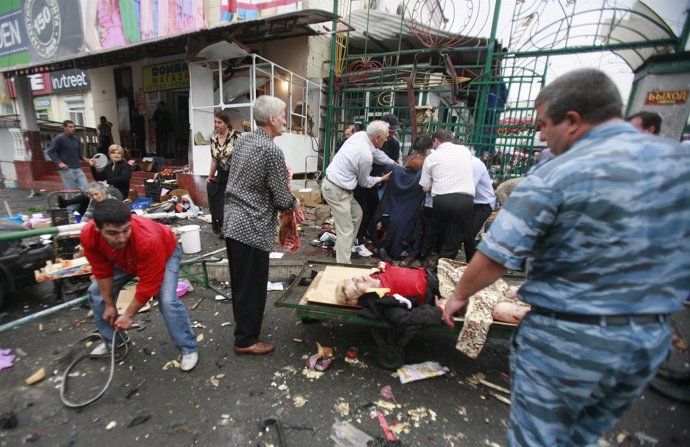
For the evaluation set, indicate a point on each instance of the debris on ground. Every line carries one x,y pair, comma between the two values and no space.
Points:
342,407
36,377
138,420
215,380
387,393
6,358
322,360
421,371
171,364
111,425
8,420
345,434
299,401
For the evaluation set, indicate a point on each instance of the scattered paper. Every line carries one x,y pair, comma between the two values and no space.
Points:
273,286
421,371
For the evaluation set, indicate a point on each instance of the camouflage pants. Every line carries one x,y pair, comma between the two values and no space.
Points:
571,382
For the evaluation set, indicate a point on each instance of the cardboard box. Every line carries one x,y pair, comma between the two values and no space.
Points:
309,196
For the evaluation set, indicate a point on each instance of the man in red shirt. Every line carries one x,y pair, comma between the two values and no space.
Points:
119,247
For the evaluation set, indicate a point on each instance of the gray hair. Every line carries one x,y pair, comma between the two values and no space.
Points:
265,107
97,186
587,91
377,127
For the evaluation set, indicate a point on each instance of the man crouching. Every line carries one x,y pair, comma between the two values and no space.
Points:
119,247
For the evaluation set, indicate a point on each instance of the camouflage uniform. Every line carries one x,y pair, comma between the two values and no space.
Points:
603,230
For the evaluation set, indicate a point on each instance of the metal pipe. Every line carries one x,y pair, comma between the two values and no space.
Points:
43,313
16,235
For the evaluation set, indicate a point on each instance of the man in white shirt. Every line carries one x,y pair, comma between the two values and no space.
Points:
350,167
447,174
484,202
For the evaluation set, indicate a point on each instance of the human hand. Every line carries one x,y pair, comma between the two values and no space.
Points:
123,323
211,179
92,162
453,305
62,166
386,177
110,314
382,266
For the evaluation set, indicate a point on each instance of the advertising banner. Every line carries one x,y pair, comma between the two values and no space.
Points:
165,76
35,31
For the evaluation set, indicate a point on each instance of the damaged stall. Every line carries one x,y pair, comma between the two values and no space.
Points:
225,77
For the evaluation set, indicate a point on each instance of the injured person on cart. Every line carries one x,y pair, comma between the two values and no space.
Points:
410,299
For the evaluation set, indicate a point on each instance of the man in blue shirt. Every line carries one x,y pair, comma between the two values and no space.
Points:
65,152
603,234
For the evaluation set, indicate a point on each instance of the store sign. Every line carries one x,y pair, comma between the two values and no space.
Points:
67,80
666,97
42,103
165,76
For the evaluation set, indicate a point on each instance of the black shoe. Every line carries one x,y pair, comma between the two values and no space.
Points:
62,203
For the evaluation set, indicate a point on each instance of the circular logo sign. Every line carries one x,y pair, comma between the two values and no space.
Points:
43,26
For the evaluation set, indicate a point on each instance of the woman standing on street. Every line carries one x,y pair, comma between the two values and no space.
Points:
222,143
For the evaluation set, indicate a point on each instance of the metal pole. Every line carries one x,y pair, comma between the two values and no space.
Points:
331,79
43,313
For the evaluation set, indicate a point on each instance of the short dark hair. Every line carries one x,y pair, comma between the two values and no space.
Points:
587,91
65,123
110,211
649,119
224,117
443,136
422,143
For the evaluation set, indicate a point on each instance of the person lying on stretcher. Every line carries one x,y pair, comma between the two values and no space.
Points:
417,286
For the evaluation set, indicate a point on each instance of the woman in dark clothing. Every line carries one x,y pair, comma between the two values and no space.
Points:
222,143
105,135
116,173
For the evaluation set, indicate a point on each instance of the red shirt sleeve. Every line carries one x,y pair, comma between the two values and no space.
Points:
154,243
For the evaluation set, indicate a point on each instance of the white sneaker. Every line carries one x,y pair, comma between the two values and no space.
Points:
104,349
189,361
363,251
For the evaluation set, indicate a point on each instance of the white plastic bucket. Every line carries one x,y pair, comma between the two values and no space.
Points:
191,238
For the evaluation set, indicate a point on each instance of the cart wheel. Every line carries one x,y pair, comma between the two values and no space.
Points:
391,356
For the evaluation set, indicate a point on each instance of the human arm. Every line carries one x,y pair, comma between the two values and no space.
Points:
105,285
212,172
380,157
52,153
277,181
124,321
98,174
363,165
480,273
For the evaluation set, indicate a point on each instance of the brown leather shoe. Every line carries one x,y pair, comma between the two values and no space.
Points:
258,348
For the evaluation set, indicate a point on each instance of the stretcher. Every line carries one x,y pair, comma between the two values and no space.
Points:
390,343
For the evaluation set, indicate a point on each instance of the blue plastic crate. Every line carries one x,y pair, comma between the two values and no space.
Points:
141,204
17,219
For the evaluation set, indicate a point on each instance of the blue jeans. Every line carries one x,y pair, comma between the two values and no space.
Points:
174,312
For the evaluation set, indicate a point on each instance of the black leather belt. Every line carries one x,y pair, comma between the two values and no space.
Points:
607,320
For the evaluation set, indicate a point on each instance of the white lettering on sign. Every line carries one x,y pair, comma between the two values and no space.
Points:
9,34
70,81
36,82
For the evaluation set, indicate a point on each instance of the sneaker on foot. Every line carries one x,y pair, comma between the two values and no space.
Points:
189,361
363,251
103,348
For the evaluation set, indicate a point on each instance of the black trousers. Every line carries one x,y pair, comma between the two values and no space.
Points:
248,278
216,199
451,217
482,211
368,199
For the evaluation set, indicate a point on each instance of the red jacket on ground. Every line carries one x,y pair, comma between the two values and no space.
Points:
145,255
